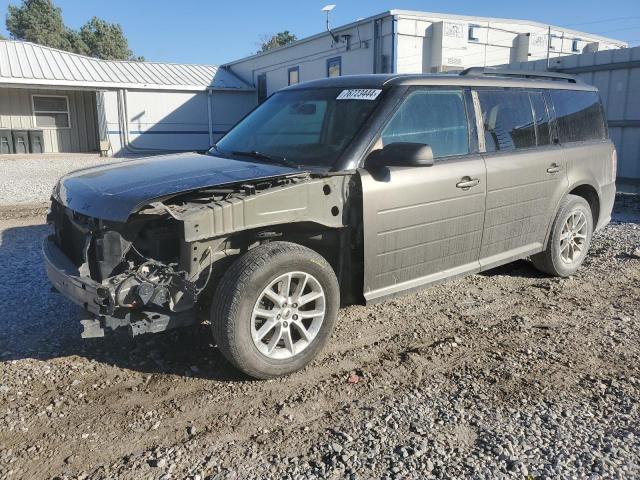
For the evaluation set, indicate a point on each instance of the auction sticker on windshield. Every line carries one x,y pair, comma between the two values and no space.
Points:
359,94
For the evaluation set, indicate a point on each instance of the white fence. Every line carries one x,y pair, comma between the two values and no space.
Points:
616,73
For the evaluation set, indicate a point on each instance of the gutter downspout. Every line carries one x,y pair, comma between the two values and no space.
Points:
394,45
210,115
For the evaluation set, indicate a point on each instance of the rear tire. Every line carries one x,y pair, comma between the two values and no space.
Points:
569,240
265,313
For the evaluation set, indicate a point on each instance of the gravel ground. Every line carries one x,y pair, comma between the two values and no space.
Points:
506,374
29,180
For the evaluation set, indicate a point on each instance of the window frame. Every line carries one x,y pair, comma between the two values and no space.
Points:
289,71
266,88
574,45
469,111
35,112
472,28
330,61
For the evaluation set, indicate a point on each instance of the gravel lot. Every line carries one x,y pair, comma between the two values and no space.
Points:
28,180
506,374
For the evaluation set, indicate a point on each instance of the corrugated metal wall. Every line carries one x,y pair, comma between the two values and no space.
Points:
16,112
616,73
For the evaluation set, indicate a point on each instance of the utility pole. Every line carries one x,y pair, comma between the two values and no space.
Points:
548,45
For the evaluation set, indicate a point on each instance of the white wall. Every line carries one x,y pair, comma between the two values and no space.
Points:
431,43
171,121
311,56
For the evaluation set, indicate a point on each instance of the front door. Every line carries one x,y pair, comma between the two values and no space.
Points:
424,224
526,174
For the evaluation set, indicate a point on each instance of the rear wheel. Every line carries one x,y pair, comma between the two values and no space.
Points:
275,309
570,239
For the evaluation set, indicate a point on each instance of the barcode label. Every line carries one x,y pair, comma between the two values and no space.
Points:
359,94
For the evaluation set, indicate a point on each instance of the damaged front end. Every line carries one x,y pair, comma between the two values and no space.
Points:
125,275
152,272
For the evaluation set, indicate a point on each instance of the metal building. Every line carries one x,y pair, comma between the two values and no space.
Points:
401,41
82,104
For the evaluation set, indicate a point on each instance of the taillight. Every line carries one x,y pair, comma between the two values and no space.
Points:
614,165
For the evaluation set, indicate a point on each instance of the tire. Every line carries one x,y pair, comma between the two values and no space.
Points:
556,259
247,290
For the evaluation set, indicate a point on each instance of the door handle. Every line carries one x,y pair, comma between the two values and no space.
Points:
467,182
554,168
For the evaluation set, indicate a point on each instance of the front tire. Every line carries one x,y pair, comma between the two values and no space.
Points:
569,240
275,309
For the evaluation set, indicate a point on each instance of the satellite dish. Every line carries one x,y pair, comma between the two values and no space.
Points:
328,8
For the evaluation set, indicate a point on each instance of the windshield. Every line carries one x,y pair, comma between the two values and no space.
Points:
301,127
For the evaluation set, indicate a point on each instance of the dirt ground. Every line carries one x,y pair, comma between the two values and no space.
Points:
509,373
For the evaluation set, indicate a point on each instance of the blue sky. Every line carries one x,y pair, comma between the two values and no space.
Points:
214,32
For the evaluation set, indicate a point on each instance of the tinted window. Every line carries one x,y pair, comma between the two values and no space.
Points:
433,117
579,115
541,118
508,119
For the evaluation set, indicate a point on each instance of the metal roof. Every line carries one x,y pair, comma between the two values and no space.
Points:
25,63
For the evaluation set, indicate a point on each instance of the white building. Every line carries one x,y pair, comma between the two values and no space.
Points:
400,41
82,104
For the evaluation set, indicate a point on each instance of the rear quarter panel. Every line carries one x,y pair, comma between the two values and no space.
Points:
589,163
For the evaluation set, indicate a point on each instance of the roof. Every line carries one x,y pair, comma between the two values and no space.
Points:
25,63
385,80
414,13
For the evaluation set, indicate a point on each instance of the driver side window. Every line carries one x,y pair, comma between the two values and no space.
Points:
434,117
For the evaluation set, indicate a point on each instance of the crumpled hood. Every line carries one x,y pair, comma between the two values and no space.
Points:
115,191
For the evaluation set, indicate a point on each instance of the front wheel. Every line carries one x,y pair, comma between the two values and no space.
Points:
274,309
570,239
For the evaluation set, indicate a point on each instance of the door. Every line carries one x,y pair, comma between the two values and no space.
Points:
526,174
424,224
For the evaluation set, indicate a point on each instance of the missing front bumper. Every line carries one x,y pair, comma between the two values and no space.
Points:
86,292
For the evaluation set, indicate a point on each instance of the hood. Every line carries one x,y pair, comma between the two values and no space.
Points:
115,191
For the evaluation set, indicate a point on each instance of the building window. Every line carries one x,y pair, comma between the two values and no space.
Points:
262,87
334,67
574,46
294,75
51,111
473,33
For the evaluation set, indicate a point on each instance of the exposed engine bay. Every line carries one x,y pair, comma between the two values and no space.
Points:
151,272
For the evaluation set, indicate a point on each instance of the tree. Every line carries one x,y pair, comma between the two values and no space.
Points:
40,21
277,40
2,37
105,40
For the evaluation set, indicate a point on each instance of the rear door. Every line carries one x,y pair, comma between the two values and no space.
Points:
424,224
526,173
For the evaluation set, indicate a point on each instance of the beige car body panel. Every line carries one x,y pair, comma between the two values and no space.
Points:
419,227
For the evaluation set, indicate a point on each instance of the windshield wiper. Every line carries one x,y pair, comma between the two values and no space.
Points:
268,158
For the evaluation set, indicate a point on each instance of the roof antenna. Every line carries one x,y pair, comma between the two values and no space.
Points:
327,9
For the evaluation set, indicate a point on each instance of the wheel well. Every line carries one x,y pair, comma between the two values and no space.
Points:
591,196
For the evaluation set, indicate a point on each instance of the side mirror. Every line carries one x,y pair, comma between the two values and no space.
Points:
401,154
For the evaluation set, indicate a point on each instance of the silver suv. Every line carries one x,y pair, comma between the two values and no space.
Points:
332,192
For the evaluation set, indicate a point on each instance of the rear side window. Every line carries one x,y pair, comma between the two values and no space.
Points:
433,117
508,119
579,115
541,118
